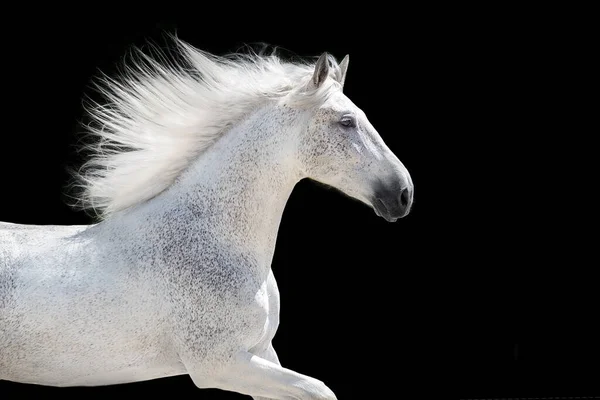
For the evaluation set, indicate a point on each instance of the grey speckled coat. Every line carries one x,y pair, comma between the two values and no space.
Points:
182,283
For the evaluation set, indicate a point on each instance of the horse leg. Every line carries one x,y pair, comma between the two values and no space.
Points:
258,377
268,354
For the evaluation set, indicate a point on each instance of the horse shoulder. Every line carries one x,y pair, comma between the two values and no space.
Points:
220,301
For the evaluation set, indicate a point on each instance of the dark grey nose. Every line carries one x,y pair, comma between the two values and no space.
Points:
393,203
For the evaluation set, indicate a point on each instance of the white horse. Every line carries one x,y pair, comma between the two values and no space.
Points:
190,175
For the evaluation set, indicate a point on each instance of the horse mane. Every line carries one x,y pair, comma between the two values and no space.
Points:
160,115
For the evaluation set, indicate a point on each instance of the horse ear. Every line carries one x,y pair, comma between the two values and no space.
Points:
321,71
344,69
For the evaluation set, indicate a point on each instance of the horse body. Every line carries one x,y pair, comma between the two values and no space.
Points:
181,283
74,313
104,304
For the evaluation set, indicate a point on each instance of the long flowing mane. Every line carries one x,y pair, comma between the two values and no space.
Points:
161,115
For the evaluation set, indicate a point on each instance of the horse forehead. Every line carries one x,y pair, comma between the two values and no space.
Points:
338,103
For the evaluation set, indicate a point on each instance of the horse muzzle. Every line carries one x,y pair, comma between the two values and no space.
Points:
392,203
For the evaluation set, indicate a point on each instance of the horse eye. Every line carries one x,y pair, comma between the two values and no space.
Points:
348,122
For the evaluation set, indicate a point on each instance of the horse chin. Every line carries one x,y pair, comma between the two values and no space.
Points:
388,218
381,211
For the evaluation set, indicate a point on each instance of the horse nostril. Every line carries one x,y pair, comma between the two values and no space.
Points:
404,197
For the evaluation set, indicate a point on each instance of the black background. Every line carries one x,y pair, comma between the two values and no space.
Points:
474,294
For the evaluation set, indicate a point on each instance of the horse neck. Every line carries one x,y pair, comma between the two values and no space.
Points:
237,189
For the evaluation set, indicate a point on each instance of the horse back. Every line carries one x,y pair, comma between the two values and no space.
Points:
15,237
18,242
